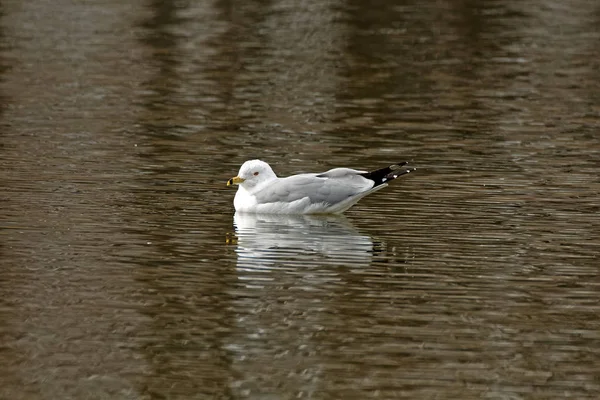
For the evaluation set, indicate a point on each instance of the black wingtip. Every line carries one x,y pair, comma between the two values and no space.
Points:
384,175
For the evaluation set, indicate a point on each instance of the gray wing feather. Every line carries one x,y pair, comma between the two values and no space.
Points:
340,173
330,187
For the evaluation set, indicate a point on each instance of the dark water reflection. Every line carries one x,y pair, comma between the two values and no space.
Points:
126,274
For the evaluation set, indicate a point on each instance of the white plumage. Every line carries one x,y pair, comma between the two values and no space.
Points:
332,192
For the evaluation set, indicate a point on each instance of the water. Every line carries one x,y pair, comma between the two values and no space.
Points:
126,274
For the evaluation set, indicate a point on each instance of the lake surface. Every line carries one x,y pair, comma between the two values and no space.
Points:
126,274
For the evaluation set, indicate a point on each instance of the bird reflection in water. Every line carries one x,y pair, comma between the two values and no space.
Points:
298,278
264,241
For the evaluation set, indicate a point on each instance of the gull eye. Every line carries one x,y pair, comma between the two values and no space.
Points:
256,173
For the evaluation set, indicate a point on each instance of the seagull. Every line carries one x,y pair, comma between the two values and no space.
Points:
260,191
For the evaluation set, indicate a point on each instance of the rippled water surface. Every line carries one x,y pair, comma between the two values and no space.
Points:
126,275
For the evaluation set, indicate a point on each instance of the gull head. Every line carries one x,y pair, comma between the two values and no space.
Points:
252,173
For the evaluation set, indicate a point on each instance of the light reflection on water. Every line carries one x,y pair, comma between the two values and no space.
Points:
125,277
296,276
264,240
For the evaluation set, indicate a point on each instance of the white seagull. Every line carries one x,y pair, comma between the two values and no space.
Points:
333,192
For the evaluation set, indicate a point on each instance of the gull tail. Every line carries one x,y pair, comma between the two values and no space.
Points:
384,175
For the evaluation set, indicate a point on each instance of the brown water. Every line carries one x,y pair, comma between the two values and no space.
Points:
124,277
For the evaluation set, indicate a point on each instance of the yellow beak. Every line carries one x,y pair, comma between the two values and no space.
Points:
235,181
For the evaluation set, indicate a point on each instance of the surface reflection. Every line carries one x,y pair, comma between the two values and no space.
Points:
267,240
122,120
292,272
